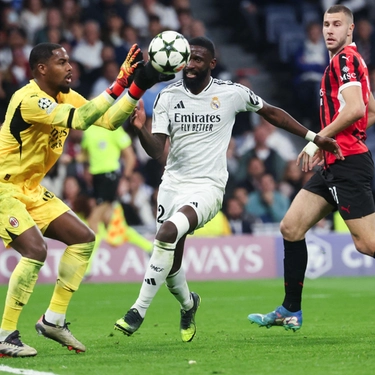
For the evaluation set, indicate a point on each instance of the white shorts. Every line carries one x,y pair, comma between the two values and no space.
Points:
206,201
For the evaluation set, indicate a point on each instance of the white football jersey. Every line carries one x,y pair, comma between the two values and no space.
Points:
200,128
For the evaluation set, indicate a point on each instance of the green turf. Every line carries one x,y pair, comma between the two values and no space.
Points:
337,336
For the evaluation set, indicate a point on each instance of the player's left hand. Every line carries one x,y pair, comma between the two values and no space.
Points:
309,157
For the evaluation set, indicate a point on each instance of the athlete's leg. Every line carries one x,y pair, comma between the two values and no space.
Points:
363,234
305,211
69,229
176,280
162,258
31,245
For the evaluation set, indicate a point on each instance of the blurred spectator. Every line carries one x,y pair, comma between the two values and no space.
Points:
110,71
239,220
268,204
15,38
252,13
78,84
138,197
291,183
185,20
309,64
70,192
254,172
19,73
6,92
88,51
53,21
197,28
103,9
8,17
75,33
129,36
139,12
273,162
277,139
72,155
71,12
113,28
154,28
364,38
33,17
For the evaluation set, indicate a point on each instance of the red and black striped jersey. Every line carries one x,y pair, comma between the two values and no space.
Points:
346,68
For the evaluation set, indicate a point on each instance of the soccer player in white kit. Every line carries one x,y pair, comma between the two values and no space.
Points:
197,113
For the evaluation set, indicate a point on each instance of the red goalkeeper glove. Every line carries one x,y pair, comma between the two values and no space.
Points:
133,60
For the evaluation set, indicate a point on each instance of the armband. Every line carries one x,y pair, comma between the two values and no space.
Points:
310,136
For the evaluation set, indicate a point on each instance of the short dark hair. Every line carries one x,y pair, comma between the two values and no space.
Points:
41,53
339,8
204,42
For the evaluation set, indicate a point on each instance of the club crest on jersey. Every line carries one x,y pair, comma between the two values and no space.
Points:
215,103
13,222
44,103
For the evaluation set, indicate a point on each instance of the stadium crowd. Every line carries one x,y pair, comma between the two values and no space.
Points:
97,34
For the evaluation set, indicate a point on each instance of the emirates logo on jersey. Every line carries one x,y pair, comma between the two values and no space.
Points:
215,103
13,222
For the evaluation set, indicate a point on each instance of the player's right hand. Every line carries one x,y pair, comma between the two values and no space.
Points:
147,77
330,145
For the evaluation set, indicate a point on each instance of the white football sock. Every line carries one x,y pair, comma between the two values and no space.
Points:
177,285
158,268
54,318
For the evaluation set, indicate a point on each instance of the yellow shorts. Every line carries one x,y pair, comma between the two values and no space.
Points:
21,209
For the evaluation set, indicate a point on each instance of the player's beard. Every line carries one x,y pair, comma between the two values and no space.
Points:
196,83
64,89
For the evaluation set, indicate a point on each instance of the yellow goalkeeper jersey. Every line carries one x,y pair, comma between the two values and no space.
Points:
36,126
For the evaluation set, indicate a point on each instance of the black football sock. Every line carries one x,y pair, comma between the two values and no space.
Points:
295,263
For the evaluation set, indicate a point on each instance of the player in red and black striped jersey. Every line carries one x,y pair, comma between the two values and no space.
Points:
347,109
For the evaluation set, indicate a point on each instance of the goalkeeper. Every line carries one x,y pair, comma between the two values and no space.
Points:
32,138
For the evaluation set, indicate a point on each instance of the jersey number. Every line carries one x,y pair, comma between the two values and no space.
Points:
161,212
334,194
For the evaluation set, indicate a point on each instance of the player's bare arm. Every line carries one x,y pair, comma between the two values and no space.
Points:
153,144
278,117
353,110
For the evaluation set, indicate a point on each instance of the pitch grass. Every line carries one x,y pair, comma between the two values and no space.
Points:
337,336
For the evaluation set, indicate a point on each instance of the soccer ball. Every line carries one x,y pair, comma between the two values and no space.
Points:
169,52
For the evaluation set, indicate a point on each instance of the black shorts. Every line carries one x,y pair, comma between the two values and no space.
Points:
105,186
346,185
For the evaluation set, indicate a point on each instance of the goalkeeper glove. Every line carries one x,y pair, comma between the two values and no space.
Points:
125,77
145,78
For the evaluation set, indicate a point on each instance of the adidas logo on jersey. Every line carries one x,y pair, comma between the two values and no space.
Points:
180,105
